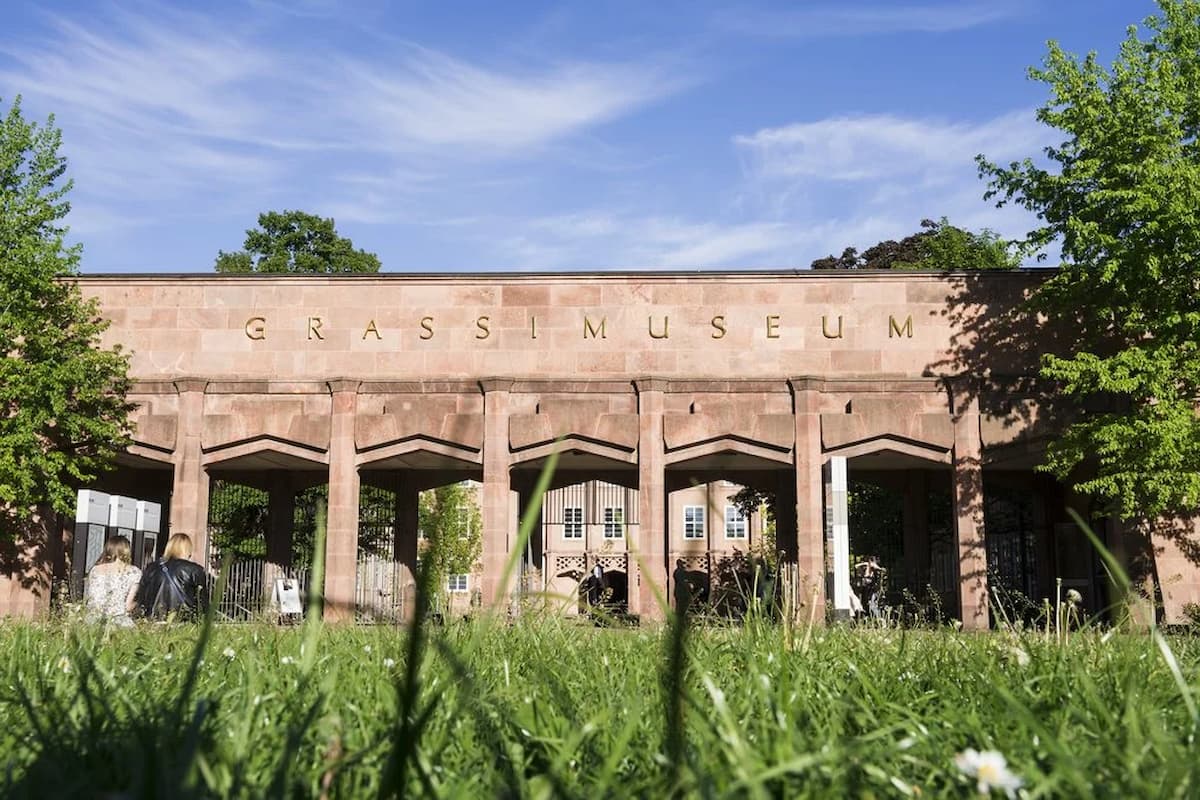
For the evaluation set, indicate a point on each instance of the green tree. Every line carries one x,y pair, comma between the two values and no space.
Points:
1120,195
451,530
296,243
937,246
63,415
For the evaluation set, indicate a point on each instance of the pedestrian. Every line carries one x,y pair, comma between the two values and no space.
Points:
175,587
869,576
112,585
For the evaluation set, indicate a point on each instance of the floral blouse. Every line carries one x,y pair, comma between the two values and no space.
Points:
104,598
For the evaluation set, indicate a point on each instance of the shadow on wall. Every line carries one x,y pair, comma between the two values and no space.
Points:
991,365
996,346
994,356
26,553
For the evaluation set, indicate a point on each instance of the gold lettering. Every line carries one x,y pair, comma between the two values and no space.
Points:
825,328
718,322
314,328
533,327
589,330
372,329
427,327
772,326
899,330
256,328
484,331
666,332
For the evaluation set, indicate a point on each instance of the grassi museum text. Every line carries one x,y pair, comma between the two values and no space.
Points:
651,386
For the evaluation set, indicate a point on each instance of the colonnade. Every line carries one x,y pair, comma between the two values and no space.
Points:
801,524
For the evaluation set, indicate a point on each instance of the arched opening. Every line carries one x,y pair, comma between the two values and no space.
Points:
578,557
262,503
426,517
899,557
731,527
1032,541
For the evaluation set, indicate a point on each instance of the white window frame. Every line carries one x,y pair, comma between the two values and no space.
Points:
736,524
614,522
458,583
573,528
693,522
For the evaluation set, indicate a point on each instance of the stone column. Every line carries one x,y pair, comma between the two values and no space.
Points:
810,496
968,507
916,531
1132,606
281,510
189,494
649,567
404,545
495,511
341,544
785,516
532,554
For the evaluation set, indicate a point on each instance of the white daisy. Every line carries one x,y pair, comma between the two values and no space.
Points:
989,769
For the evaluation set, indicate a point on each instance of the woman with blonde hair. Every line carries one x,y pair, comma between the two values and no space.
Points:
175,587
112,585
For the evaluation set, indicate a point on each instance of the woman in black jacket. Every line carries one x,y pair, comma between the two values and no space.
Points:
175,587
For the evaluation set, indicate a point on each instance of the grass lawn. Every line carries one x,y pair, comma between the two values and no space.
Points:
552,708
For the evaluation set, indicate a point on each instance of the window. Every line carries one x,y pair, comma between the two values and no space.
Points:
573,522
693,522
735,523
614,523
456,583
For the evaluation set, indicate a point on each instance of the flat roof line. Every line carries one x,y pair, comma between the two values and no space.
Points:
836,274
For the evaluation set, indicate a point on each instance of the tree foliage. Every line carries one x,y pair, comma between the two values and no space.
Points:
294,242
1122,199
239,520
63,414
937,246
451,529
751,500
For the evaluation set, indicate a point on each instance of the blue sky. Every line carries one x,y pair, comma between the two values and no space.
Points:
538,136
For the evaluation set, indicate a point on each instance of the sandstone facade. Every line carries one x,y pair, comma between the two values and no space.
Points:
649,381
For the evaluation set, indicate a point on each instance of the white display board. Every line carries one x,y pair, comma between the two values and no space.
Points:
841,534
287,596
122,512
149,516
92,507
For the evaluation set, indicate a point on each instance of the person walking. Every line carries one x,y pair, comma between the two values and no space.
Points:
175,587
112,585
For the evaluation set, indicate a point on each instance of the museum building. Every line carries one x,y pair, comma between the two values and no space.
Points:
654,394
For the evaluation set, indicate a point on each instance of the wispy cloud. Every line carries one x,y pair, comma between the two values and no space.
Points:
606,239
808,189
883,18
888,169
184,121
628,239
432,100
175,103
870,147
